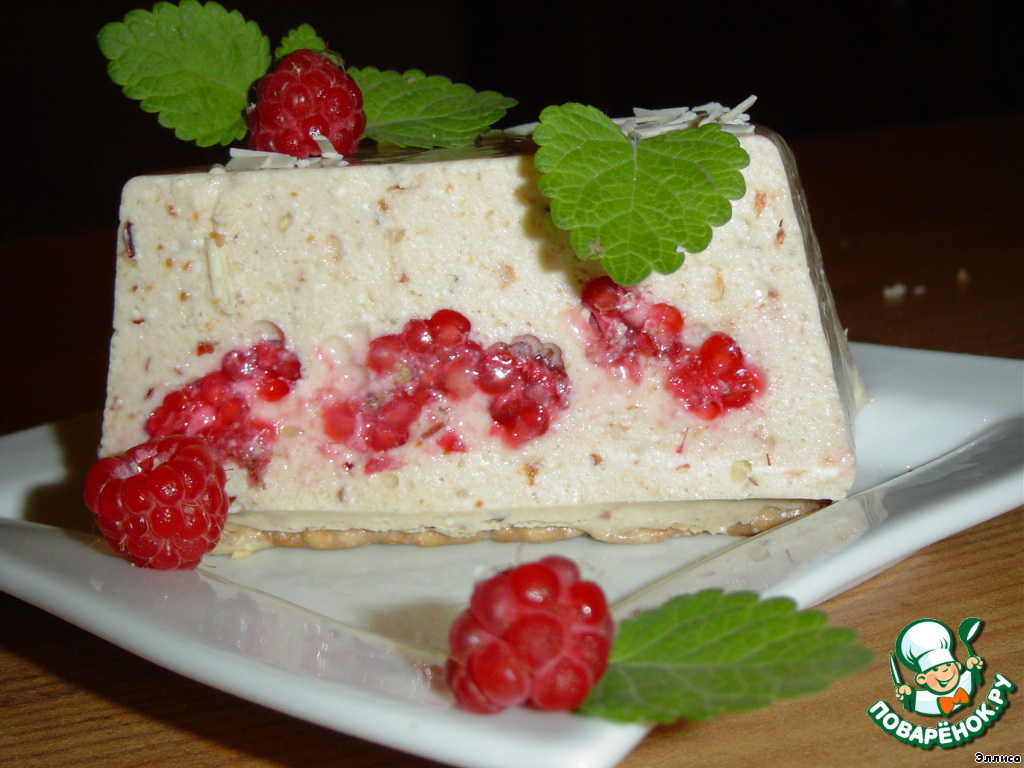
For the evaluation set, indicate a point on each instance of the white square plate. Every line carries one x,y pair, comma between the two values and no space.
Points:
354,640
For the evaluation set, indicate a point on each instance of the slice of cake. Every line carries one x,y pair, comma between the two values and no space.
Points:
408,350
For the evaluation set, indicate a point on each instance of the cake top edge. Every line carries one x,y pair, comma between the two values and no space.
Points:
511,142
502,142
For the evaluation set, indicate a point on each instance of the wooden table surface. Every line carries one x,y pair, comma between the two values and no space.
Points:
936,207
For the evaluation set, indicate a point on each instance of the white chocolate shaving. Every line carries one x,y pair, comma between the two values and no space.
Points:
218,267
254,160
646,123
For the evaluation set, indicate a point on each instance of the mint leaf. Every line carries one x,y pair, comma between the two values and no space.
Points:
636,205
705,654
304,38
192,64
415,110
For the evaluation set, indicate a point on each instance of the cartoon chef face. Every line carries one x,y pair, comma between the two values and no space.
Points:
941,678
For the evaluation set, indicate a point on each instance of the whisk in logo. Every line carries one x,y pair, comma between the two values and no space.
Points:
939,686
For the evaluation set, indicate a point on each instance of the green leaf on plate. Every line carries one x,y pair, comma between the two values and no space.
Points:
637,205
702,655
192,64
412,109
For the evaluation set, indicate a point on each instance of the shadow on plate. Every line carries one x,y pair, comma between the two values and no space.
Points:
60,504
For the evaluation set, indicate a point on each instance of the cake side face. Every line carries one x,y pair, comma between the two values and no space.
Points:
319,265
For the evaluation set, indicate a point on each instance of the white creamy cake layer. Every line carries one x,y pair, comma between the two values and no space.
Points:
325,259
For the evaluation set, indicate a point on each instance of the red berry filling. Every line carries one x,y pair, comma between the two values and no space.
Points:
629,335
435,361
161,503
306,95
219,406
714,378
535,634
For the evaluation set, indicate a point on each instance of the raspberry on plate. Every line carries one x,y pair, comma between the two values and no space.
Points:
535,634
306,94
161,503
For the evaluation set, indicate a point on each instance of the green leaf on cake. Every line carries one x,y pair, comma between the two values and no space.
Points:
412,109
702,655
192,64
637,205
304,38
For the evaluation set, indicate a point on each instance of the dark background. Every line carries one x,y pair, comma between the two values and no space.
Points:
71,138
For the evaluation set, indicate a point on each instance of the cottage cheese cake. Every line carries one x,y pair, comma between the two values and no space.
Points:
406,349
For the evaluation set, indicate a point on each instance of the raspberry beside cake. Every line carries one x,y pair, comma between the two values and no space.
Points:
410,351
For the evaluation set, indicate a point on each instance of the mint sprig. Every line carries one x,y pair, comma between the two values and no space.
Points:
702,655
412,109
304,38
194,64
637,205
191,63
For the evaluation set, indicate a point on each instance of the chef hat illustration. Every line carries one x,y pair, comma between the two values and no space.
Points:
924,644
